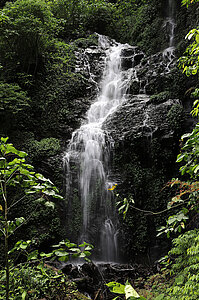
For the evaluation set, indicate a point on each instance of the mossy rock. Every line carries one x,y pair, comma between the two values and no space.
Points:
176,117
159,98
90,41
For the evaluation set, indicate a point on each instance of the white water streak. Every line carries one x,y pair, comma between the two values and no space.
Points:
90,146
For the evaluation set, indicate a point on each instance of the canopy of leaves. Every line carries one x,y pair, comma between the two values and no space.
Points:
27,29
12,98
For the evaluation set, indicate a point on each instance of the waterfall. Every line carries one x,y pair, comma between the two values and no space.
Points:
169,25
88,156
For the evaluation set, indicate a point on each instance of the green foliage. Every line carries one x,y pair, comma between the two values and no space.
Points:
91,40
27,31
71,16
127,290
44,148
38,281
15,173
190,153
123,205
183,258
159,98
183,261
12,98
187,198
62,252
189,62
138,23
175,117
188,2
99,17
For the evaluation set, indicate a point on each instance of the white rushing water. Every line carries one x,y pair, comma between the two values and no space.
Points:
90,148
169,24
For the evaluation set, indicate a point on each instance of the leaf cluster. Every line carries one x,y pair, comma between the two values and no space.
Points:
37,281
127,290
15,172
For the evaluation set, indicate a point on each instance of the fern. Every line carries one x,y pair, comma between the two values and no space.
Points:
185,267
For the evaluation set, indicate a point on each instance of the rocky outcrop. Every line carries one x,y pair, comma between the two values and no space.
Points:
91,278
138,117
145,130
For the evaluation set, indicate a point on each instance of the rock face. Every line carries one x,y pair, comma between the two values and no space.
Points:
144,159
145,131
138,117
91,278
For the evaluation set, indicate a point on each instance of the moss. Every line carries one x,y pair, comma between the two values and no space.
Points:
92,40
176,118
74,209
43,149
159,98
144,169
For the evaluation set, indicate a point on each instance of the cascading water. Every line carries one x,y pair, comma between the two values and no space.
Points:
88,155
169,24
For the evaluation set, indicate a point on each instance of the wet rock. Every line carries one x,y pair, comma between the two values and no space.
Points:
67,269
138,58
91,278
134,87
129,51
137,117
92,271
127,63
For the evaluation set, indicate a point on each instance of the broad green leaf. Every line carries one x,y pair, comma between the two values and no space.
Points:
196,169
197,38
23,296
4,140
70,245
116,287
186,135
88,248
42,254
190,34
179,280
180,157
21,154
61,253
33,255
130,291
63,258
82,255
75,250
19,221
23,245
87,253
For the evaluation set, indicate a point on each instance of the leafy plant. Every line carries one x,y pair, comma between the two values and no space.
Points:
39,281
127,290
27,35
183,262
14,173
12,98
